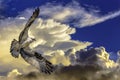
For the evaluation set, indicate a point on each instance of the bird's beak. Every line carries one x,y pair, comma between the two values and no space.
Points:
34,39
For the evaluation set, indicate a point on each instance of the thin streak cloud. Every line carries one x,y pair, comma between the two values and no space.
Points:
76,15
97,20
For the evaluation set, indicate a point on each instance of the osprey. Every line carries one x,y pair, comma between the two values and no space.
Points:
22,47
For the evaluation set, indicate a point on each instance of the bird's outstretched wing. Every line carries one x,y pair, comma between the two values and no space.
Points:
24,34
37,60
45,65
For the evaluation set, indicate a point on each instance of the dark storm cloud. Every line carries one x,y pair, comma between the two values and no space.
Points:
64,73
77,72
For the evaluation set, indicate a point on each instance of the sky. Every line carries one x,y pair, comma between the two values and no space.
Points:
79,27
105,33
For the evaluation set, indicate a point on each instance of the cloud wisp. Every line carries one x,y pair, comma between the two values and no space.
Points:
98,19
75,14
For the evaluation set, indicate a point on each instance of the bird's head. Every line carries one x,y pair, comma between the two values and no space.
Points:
33,39
30,40
14,49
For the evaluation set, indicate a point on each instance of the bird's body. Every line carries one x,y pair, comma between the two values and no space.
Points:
22,47
27,42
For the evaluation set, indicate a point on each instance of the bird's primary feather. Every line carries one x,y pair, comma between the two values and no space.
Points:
37,60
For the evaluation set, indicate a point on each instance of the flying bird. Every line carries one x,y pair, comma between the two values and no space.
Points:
22,47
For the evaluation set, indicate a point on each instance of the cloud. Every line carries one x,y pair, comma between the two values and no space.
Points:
72,14
54,41
95,56
51,36
71,64
54,38
11,75
90,21
76,15
92,67
76,72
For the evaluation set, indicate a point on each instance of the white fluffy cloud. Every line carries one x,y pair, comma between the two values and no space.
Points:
95,56
51,36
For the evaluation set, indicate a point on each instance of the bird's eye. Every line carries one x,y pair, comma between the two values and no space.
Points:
17,50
